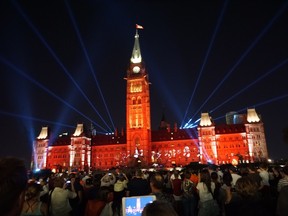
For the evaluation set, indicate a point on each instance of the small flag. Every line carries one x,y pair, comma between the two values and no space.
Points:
139,26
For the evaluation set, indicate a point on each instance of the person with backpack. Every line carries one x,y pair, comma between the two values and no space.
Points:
189,198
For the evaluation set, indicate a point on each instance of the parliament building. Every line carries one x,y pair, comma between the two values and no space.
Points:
240,140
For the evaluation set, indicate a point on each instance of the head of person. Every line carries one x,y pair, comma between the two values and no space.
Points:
156,182
252,168
205,177
187,174
232,169
13,182
159,208
214,176
89,182
59,182
33,191
139,173
176,173
121,177
263,166
43,182
244,171
227,178
246,187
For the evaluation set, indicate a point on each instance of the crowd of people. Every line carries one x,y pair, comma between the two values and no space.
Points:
207,191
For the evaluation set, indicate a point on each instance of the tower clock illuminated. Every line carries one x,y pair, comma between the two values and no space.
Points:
136,69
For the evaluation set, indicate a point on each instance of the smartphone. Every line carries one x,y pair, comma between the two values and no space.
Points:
68,182
135,205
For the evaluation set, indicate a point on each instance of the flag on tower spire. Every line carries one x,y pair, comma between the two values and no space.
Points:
139,26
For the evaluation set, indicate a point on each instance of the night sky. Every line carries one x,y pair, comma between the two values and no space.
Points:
64,62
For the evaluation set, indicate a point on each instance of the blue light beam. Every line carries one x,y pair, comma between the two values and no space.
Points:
34,119
205,59
6,62
280,11
88,60
251,84
59,62
259,104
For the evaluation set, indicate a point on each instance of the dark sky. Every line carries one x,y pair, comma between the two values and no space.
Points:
63,63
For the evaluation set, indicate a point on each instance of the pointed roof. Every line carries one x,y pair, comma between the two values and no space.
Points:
252,115
79,130
163,123
136,53
205,120
44,133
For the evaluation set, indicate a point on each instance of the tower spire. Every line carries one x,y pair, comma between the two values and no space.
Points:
136,53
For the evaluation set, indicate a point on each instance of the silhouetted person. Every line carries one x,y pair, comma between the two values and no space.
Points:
13,182
157,186
138,186
32,204
159,208
282,200
246,200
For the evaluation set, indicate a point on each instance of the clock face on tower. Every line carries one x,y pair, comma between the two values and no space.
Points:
136,69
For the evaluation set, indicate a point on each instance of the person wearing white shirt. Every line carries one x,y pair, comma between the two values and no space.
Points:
205,188
234,174
60,196
263,172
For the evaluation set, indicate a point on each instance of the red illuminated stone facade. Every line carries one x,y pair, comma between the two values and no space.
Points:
240,140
